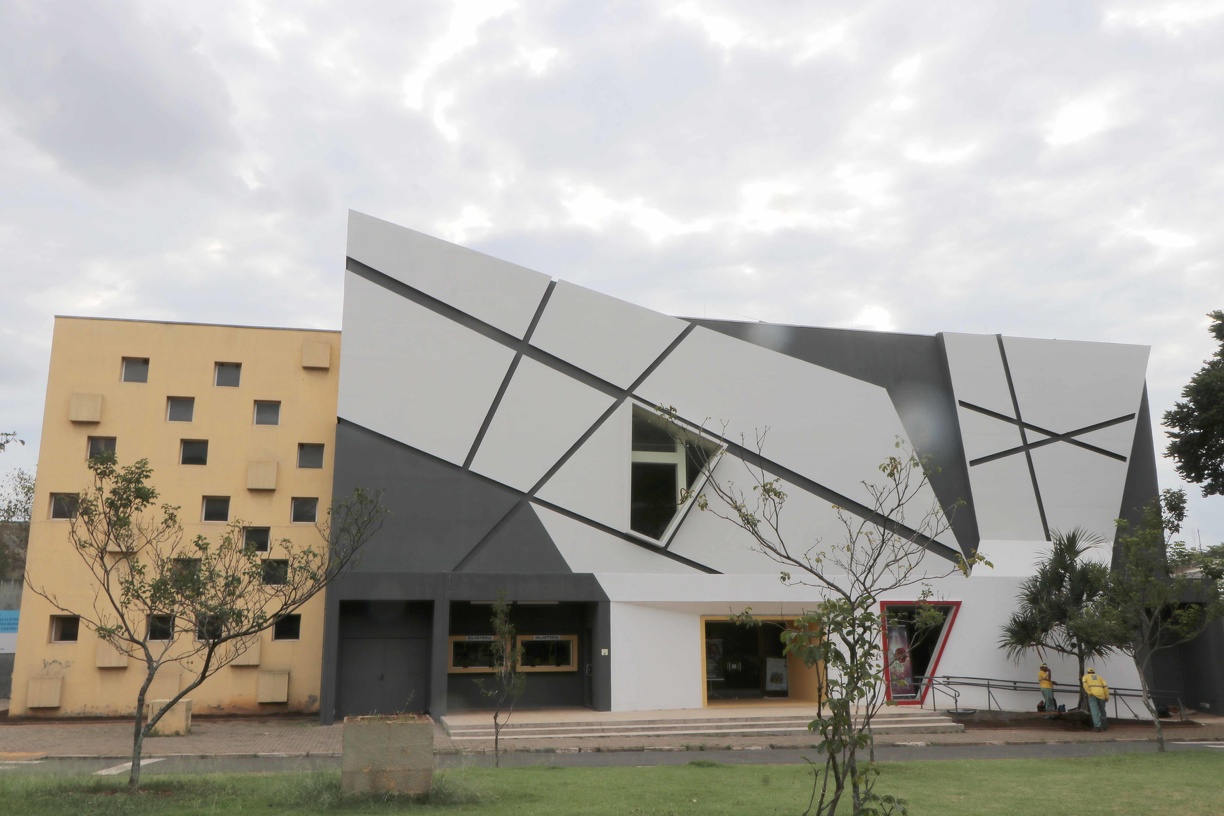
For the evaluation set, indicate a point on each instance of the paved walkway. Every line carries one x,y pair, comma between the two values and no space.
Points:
290,736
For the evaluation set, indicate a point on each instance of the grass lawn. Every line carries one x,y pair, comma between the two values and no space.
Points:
1186,783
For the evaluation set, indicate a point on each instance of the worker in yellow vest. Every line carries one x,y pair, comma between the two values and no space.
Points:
1098,695
1046,681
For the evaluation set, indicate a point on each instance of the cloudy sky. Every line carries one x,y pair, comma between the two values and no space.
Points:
1045,169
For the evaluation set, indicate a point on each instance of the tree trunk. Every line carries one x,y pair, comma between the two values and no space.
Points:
138,736
1148,704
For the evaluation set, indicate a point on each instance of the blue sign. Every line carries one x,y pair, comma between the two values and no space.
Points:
8,621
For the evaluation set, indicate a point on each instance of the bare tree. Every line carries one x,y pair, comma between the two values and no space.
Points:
509,682
196,604
880,550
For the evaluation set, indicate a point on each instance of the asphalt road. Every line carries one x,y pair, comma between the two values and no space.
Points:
934,753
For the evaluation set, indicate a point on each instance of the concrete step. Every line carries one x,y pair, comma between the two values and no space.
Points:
745,726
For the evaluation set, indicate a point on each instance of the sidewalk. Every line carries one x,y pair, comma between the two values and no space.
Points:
300,736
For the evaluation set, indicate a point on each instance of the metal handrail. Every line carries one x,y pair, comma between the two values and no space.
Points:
992,684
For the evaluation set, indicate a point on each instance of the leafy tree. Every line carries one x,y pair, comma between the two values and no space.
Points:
196,604
7,438
1053,601
508,682
1196,425
879,553
1160,595
17,496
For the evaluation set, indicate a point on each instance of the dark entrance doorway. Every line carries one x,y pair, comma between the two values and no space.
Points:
384,657
746,663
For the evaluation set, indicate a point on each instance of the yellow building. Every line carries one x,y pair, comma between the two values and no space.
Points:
238,425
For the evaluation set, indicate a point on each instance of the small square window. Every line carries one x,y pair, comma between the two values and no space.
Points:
276,572
64,505
99,445
267,413
256,539
65,628
305,510
193,452
208,627
136,369
180,409
310,456
228,374
287,627
161,627
216,508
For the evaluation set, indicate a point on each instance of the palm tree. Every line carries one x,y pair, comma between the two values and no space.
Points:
1052,603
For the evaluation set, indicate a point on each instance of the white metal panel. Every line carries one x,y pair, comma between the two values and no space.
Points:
586,549
498,292
1003,500
541,415
610,338
656,658
412,375
1079,488
1117,439
594,483
831,428
1063,385
976,367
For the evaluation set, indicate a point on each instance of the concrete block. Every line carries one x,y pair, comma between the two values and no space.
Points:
175,723
387,755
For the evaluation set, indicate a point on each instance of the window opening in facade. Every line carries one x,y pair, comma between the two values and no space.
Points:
276,572
216,508
310,455
180,409
99,445
193,452
305,509
666,461
267,412
287,627
228,375
65,628
64,505
161,627
136,369
256,539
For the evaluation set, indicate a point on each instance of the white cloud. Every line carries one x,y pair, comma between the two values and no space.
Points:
1078,120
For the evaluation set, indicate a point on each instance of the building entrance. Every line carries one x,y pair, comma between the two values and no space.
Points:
745,663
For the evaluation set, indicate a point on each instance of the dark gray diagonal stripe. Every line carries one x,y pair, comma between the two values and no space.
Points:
505,383
1052,436
1028,455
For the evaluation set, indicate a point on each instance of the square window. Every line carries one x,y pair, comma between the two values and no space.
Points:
193,452
310,456
276,572
99,445
256,539
65,628
64,505
136,369
209,628
305,510
161,627
267,413
216,508
228,375
180,409
287,627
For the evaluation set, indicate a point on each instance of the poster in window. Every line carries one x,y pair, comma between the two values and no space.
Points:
714,654
776,678
900,666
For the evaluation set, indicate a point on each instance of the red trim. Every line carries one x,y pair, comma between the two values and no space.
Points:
944,633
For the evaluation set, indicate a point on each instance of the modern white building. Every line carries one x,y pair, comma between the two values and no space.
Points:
513,421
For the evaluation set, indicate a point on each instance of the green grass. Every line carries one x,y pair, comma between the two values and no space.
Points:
1185,783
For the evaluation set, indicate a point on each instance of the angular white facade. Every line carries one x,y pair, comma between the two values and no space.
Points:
497,409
